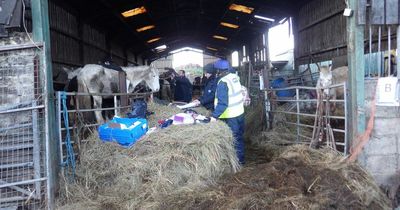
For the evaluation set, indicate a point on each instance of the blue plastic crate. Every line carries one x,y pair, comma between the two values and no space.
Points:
131,130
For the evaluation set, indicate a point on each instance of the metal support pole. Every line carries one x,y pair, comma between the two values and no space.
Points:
36,149
379,51
398,52
298,112
389,54
115,106
346,140
355,51
370,51
41,33
58,111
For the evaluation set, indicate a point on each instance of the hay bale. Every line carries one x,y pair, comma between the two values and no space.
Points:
111,177
300,178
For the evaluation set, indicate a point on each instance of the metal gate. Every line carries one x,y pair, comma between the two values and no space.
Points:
299,113
23,130
78,126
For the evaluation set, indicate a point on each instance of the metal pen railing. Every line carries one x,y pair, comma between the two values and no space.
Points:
297,99
75,123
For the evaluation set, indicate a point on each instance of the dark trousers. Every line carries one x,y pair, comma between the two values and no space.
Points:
236,124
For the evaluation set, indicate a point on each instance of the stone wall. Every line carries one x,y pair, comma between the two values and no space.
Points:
381,156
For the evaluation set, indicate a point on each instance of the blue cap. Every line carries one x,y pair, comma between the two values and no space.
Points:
222,65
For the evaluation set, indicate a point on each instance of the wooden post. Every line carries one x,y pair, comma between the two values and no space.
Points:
355,53
41,33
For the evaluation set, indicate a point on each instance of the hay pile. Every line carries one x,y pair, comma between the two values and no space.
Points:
300,178
254,120
111,177
163,112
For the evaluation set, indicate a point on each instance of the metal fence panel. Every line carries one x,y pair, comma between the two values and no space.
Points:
22,128
300,111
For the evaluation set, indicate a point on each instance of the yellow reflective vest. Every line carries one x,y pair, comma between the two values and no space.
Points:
235,98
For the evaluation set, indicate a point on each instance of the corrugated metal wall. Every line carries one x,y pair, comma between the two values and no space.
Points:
321,31
75,43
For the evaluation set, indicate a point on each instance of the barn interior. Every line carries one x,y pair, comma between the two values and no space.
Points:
48,162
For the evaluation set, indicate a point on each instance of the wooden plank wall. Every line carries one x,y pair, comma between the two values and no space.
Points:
75,43
320,30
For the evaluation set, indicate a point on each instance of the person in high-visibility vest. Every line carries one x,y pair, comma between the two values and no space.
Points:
229,105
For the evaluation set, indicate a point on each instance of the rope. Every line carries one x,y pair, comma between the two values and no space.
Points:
363,139
69,162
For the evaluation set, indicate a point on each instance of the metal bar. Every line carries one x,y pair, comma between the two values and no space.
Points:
107,94
115,106
86,126
309,115
12,199
15,127
59,125
23,182
298,116
370,51
306,100
16,106
97,109
306,137
310,126
379,51
398,52
18,147
16,165
19,189
22,109
389,54
346,140
5,48
306,87
36,150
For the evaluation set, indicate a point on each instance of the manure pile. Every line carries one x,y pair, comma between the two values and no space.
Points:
299,178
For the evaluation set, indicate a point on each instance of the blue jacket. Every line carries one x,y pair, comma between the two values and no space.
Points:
222,95
207,99
183,89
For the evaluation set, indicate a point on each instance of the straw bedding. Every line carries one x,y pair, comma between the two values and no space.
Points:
194,167
111,177
299,178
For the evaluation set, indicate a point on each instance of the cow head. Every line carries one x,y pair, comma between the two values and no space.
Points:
153,79
137,74
325,78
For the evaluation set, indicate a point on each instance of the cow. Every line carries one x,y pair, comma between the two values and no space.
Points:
94,79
